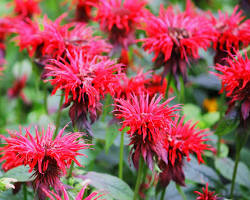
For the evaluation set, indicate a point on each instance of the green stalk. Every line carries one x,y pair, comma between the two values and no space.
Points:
45,99
58,118
70,170
25,194
138,180
169,79
178,187
237,159
121,155
163,194
182,92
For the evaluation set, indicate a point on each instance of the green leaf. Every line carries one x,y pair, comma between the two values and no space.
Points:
191,112
21,174
200,173
111,185
226,126
211,118
226,166
111,133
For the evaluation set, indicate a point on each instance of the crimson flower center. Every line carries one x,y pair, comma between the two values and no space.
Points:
178,33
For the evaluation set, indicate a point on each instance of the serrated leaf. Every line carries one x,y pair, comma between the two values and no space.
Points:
226,166
111,185
21,174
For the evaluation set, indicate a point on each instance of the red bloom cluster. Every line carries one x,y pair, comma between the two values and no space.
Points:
119,19
155,136
86,80
206,194
175,38
147,120
233,32
47,158
26,8
182,140
236,81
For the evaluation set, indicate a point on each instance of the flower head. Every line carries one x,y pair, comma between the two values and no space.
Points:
175,38
233,32
206,194
48,158
84,80
119,18
236,81
58,38
147,120
180,141
26,8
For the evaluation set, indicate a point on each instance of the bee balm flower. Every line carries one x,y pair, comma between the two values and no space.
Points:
48,158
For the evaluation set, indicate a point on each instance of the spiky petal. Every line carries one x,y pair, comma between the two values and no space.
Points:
48,158
206,194
147,119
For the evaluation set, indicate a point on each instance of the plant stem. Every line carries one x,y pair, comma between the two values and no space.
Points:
121,155
70,170
178,187
58,118
169,79
45,99
163,194
25,195
237,159
182,90
138,180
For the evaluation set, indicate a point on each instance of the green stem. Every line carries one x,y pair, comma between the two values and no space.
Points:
45,99
121,155
169,79
182,92
237,159
106,107
58,118
178,187
25,194
163,194
70,170
138,180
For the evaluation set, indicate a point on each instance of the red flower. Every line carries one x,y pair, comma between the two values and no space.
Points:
86,80
233,32
83,9
147,120
236,81
175,38
26,8
17,89
58,38
206,194
28,36
180,141
119,19
79,196
48,158
156,85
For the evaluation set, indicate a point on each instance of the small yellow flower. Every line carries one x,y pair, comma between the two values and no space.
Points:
210,105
